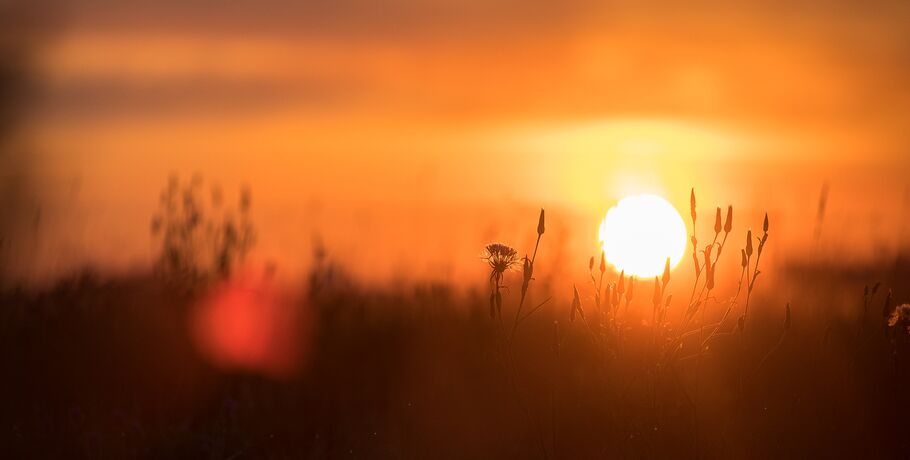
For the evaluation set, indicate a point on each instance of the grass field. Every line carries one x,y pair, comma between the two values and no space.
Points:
112,367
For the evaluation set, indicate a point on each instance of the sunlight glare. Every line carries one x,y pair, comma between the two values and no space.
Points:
640,232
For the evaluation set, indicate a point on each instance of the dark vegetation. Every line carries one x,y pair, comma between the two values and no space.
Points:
106,367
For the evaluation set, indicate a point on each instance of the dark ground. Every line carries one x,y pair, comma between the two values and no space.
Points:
106,368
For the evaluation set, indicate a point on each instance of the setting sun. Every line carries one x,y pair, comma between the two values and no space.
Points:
640,232
345,228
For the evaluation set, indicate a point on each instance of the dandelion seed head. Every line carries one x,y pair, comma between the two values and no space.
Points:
500,257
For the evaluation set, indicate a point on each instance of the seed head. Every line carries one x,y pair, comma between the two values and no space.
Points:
728,225
692,205
745,261
500,257
591,264
622,283
540,223
666,277
717,221
765,224
576,305
603,262
749,243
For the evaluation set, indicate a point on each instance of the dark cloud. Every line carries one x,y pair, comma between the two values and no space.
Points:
112,97
24,29
466,20
339,19
790,60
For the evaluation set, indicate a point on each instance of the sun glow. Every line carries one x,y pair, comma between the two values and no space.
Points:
640,232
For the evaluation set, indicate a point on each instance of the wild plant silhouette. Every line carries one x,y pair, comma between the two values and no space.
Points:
200,240
612,367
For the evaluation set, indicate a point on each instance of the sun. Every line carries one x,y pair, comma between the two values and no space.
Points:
640,232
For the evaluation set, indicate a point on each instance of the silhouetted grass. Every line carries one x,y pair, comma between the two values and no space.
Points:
105,367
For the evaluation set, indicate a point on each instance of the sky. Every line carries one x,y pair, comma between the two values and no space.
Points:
404,134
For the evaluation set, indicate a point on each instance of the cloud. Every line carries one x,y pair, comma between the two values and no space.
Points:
102,97
24,29
340,19
809,68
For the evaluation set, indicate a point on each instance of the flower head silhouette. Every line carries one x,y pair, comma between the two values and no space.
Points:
500,257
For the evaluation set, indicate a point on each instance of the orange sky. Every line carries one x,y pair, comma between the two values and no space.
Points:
379,124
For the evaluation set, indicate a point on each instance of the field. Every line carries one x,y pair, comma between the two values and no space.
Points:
454,229
110,366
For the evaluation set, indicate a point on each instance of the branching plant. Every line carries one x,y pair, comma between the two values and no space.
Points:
502,258
199,240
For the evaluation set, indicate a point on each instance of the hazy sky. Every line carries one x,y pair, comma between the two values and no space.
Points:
408,113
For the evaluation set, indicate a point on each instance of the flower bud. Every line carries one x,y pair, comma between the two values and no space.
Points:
576,305
717,221
692,205
540,223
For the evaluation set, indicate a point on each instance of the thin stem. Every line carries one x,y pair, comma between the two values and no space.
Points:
524,292
733,303
701,266
528,314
